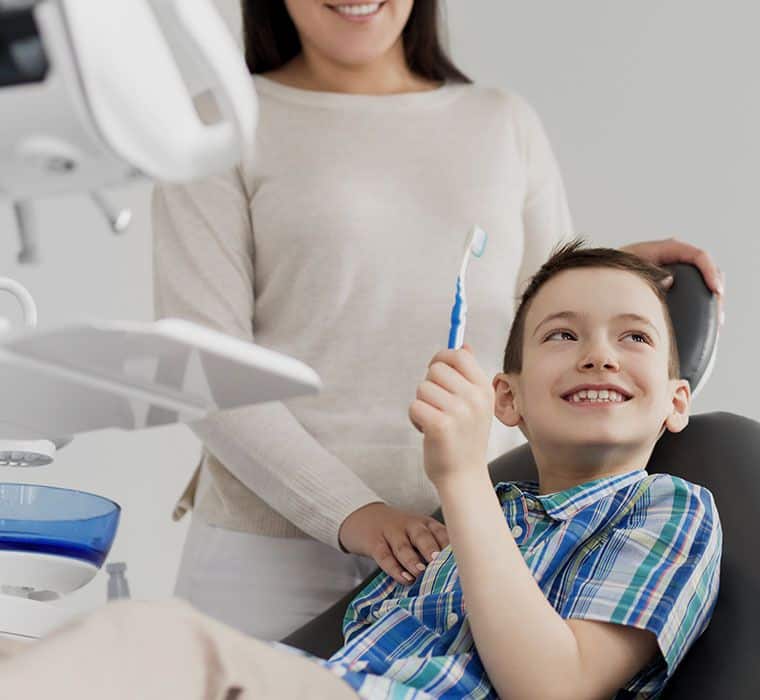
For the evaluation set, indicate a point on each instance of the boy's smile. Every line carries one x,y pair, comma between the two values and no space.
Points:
596,395
593,394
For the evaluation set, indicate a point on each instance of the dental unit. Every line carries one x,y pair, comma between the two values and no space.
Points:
73,120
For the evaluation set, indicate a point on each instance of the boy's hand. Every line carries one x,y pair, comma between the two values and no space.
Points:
454,409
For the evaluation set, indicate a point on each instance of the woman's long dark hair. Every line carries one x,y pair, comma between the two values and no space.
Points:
271,39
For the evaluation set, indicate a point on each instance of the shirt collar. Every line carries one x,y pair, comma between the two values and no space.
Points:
563,505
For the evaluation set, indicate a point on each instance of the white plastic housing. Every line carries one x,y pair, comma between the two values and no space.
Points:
44,572
114,105
89,376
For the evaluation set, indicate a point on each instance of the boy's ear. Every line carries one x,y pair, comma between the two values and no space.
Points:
506,404
678,418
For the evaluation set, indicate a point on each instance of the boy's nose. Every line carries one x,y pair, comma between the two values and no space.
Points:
607,364
599,358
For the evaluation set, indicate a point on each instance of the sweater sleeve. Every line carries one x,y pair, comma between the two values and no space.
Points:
204,272
546,215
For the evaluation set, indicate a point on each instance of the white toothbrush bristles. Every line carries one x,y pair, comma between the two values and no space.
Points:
474,245
478,241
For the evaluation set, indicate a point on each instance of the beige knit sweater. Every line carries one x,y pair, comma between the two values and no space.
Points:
338,241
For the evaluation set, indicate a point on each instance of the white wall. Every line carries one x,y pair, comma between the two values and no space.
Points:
652,110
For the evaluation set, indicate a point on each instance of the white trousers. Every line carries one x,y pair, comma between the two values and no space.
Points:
266,587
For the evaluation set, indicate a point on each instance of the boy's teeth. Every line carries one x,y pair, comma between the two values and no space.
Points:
603,395
367,9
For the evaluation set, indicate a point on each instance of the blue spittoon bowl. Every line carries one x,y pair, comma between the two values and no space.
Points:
52,520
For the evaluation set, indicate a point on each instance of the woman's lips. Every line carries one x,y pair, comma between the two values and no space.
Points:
357,18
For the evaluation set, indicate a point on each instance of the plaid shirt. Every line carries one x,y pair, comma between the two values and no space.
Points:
636,549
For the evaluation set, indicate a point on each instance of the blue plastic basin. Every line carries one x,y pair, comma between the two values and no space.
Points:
52,520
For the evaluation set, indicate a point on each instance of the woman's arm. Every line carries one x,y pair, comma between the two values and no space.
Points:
203,272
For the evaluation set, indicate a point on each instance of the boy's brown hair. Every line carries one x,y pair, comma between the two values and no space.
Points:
573,255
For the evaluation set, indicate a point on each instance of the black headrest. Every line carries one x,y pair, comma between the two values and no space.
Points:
694,312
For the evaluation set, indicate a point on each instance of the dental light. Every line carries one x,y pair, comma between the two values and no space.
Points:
94,95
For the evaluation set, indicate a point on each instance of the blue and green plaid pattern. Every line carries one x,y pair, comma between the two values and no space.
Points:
636,549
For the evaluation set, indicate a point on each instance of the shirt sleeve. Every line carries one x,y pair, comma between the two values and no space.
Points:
657,570
204,272
546,214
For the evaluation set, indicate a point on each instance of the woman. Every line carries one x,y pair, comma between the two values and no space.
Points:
337,242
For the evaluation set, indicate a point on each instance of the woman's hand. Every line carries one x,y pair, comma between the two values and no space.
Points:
670,251
454,410
398,541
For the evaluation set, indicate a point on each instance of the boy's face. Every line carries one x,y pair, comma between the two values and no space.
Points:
598,345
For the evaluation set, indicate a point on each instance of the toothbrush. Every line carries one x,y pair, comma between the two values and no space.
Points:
474,245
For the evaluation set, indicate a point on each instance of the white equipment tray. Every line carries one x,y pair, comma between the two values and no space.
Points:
88,376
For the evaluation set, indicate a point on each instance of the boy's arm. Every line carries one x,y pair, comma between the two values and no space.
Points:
527,649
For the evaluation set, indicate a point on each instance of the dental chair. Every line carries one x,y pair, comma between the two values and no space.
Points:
718,450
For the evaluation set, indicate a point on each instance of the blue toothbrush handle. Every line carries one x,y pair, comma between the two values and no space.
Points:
458,313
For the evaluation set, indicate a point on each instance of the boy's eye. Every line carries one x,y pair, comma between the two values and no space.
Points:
553,333
638,337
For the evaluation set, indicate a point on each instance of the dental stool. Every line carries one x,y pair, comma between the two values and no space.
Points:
718,450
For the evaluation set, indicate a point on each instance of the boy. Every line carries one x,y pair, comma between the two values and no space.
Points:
596,585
